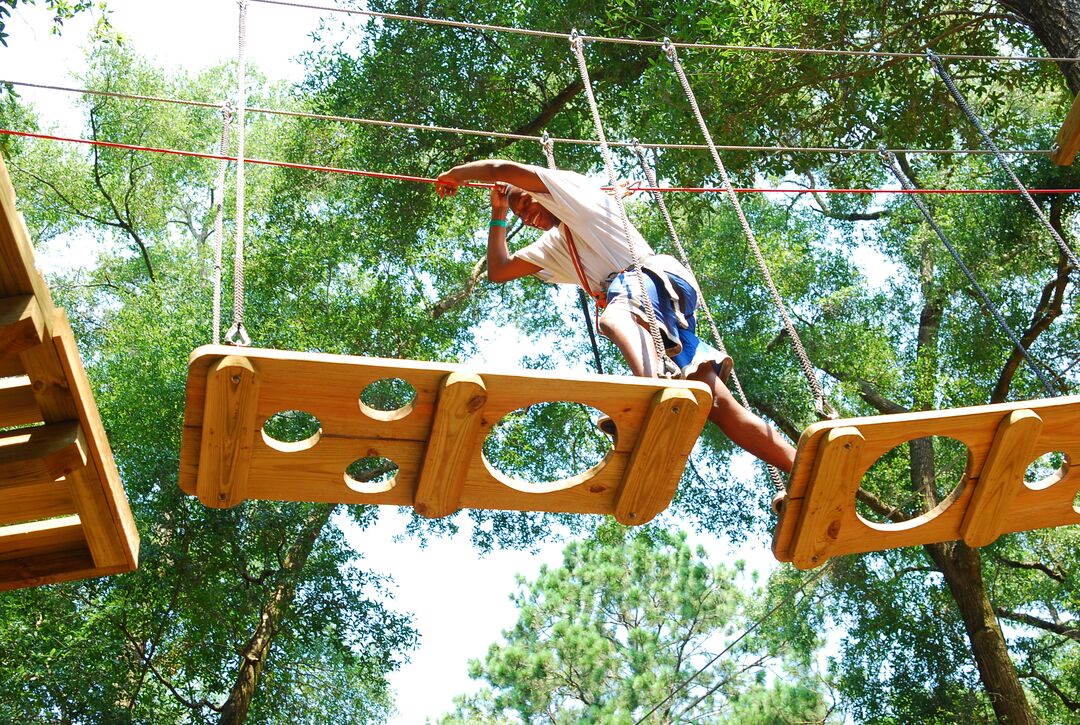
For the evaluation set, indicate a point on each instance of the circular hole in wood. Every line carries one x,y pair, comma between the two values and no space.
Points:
291,431
1046,470
917,479
388,399
543,448
371,474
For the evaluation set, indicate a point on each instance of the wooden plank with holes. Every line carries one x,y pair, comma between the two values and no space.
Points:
1067,143
18,406
1040,504
21,325
329,388
65,466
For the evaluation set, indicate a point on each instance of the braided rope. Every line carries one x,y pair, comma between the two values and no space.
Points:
823,407
650,174
890,162
943,73
237,335
664,364
219,214
583,299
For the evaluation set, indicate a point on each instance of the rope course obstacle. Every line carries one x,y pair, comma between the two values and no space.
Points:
232,392
63,512
435,441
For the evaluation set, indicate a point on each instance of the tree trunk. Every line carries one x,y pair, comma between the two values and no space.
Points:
253,656
1056,23
960,564
962,568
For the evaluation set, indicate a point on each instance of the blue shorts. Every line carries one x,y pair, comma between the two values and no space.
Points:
684,347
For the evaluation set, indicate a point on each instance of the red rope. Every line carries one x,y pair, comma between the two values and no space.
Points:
424,179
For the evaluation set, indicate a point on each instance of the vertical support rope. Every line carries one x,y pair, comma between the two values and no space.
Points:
823,407
219,215
583,299
650,174
939,68
888,159
237,335
664,364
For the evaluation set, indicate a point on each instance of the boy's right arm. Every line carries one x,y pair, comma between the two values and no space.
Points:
488,171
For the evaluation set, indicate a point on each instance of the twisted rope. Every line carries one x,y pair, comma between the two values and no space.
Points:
664,364
219,213
943,73
889,161
823,407
237,335
650,174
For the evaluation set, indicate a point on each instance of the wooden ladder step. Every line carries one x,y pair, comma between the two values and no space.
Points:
42,454
22,325
42,552
18,406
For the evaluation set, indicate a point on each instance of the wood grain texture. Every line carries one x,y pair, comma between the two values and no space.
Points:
1042,504
18,406
649,482
45,383
42,454
329,386
831,490
453,442
228,431
1002,477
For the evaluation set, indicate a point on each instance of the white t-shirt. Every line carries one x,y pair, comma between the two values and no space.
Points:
595,223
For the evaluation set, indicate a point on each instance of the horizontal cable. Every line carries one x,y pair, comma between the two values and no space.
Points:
515,136
660,43
429,180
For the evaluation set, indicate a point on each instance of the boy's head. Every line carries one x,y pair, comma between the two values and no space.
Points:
532,212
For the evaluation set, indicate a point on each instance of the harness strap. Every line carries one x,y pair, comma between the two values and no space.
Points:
598,297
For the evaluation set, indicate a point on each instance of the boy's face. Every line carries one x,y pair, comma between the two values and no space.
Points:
530,210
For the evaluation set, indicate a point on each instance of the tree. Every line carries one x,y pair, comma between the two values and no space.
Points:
628,623
62,11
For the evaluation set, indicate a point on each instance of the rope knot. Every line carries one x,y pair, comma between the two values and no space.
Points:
669,49
576,39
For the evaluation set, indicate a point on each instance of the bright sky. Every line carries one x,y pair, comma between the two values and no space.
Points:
459,600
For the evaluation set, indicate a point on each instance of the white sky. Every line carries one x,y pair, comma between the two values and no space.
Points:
459,600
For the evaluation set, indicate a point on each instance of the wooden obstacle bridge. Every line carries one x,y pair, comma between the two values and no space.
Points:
436,440
63,512
818,519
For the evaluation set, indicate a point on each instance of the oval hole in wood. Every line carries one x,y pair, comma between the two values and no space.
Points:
371,475
547,447
388,399
890,481
291,431
1046,470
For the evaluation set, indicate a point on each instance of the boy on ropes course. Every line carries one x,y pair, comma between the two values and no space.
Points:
584,243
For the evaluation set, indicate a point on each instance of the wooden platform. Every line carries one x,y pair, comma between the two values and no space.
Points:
63,512
436,440
818,519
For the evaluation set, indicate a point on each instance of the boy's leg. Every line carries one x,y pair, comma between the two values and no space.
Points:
620,325
745,429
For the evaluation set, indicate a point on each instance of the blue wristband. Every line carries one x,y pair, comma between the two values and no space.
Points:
497,223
